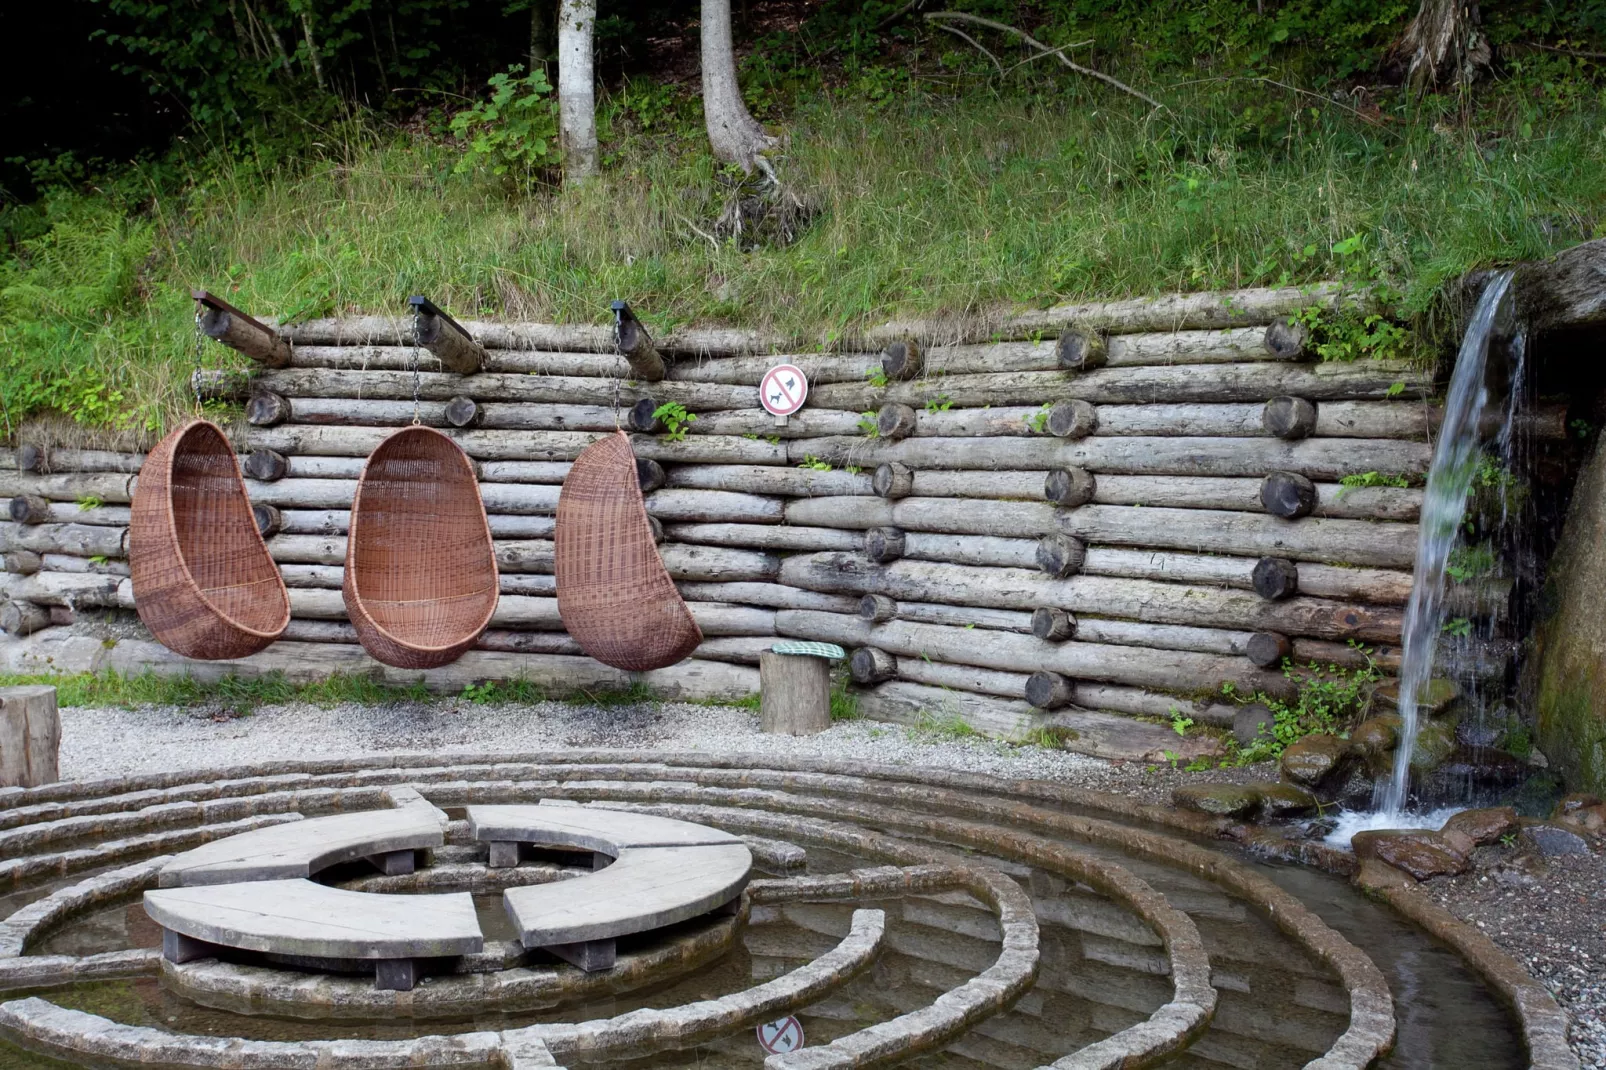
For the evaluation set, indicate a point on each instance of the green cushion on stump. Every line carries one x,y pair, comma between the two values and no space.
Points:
817,650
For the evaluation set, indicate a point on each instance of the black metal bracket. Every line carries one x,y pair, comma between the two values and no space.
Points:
424,304
622,314
213,301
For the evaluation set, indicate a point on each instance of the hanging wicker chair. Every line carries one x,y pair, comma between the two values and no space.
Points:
421,580
614,594
204,583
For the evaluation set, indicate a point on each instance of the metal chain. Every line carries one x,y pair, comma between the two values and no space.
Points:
200,357
417,320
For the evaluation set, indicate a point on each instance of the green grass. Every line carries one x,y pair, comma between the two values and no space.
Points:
233,692
930,200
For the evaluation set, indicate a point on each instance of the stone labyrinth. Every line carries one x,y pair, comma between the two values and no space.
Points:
630,909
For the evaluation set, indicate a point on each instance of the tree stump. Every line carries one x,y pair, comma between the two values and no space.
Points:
1081,351
893,480
1275,578
1072,418
1288,417
1288,495
871,665
795,693
30,737
902,360
1069,487
895,422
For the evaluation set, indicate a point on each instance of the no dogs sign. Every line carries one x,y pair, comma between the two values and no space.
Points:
783,390
781,1036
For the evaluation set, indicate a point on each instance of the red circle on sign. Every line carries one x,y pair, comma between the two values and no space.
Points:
781,1036
783,390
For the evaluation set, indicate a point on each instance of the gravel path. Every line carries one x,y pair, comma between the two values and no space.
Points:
1550,916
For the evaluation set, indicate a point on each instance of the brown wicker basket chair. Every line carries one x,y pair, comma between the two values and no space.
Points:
421,580
614,594
204,583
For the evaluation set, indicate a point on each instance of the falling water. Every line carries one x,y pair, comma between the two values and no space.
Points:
1455,458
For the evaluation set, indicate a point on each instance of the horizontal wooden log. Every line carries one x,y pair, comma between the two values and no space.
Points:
753,536
1139,385
774,595
1128,599
555,389
68,563
545,446
714,506
24,562
542,337
523,471
768,479
44,461
810,423
80,540
1146,667
111,487
1315,458
336,521
1086,628
71,589
1132,701
72,513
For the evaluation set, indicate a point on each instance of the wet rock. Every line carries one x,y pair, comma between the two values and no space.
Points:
1552,841
1485,826
1284,801
1435,742
1218,800
1419,852
1473,734
1578,800
1589,819
1433,699
1378,876
1247,722
1315,760
1377,735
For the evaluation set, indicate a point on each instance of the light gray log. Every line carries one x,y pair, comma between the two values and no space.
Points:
456,350
463,412
22,618
1022,653
748,371
1130,599
893,480
1243,495
518,446
1115,386
257,341
519,471
56,459
1315,458
767,479
220,384
870,666
23,562
765,537
970,549
902,359
553,338
767,594
65,589
796,690
68,563
958,616
111,487
718,506
339,468
810,423
80,540
1335,419
1090,696
1289,417
1380,586
30,736
877,608
495,386
114,516
739,649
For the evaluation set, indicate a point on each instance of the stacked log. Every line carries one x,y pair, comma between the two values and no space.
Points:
1082,492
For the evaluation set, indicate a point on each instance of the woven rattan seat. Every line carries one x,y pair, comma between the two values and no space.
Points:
421,580
614,594
204,583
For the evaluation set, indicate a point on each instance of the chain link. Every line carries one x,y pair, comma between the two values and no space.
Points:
418,318
200,357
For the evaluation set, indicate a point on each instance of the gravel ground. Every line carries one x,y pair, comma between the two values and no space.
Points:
1550,915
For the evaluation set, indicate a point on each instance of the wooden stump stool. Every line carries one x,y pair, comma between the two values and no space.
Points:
30,736
795,681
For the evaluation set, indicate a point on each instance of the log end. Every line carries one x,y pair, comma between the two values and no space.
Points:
869,666
464,412
895,422
1072,418
29,509
31,458
1060,555
1052,624
266,409
1289,418
1288,495
1268,649
641,416
1275,578
883,544
267,466
1048,690
1069,487
877,608
902,359
269,520
1287,339
649,475
893,480
1079,350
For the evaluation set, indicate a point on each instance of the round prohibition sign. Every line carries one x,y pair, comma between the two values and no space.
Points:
783,390
781,1036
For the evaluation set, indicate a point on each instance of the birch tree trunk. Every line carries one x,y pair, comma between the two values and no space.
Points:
734,134
577,94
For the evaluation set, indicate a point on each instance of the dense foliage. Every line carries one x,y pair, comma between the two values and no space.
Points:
308,156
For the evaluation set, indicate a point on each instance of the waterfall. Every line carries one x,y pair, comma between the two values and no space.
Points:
1455,459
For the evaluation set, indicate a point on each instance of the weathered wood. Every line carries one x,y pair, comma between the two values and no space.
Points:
112,516
970,549
1060,555
245,335
1069,487
1564,291
893,480
543,337
640,417
1289,418
902,359
1334,419
1333,500
1268,649
883,544
23,562
1052,625
221,384
80,540
1182,670
1276,578
895,422
511,471
869,666
810,423
796,694
1072,419
765,537
23,618
1140,385
92,590
265,466
1087,695
1048,690
30,736
29,509
1315,458
1079,350
69,486
266,408
1287,338
463,412
767,594
1288,495
456,350
269,519
635,345
964,616
1109,597
650,475
32,458
497,386
68,563
767,479
877,608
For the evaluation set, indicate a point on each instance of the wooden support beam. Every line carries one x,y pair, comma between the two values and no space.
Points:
635,345
222,322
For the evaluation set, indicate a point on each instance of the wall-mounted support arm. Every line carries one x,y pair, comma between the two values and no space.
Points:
635,345
447,339
224,323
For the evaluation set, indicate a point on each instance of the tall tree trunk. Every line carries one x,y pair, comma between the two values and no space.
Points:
312,51
1442,48
577,94
540,34
735,135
